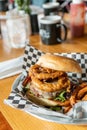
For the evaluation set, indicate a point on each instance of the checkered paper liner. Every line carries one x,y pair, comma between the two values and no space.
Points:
31,56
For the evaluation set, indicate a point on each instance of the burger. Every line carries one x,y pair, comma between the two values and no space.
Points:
48,83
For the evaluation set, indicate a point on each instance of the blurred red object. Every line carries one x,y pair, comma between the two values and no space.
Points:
77,18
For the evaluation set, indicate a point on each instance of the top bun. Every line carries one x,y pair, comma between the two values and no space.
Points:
59,63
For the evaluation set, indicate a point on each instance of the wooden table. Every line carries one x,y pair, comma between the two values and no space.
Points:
19,120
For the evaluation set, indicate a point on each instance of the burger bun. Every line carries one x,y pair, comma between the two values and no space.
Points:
59,63
41,101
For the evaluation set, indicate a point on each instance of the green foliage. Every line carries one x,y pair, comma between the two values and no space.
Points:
23,5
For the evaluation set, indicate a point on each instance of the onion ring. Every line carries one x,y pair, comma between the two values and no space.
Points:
45,73
51,87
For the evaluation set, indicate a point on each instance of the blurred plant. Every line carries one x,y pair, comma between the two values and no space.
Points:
23,5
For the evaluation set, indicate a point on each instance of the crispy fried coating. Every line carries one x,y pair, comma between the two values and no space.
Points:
45,73
59,80
84,98
73,98
79,94
82,85
82,92
51,87
65,103
66,109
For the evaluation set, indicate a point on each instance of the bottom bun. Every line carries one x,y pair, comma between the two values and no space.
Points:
41,101
46,102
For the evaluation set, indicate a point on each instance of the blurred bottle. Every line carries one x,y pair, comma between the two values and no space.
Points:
77,18
34,23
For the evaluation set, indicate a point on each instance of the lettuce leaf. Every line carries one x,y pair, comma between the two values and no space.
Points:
61,96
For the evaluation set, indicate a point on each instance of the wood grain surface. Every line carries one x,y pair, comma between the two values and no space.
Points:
4,125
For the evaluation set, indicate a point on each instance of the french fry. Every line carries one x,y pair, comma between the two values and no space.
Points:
84,98
84,84
66,109
81,92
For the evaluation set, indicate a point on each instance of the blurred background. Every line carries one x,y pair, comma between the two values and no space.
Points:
9,4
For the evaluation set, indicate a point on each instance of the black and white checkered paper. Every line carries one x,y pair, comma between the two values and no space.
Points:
31,56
